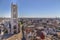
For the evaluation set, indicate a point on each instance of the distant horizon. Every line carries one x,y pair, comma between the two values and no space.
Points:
32,17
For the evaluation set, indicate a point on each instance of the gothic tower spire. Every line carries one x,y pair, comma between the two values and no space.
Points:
14,18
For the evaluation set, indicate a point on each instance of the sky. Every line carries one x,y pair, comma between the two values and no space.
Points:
31,8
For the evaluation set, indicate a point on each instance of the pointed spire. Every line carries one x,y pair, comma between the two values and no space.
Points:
14,1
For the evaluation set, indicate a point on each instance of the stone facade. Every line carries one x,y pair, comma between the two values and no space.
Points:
14,18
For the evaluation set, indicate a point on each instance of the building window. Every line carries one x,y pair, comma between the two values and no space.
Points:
15,27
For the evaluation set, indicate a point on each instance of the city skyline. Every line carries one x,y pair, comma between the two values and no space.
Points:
31,8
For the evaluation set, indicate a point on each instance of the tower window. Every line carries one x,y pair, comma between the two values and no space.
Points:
15,27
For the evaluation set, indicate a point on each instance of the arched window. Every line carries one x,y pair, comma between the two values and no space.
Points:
14,26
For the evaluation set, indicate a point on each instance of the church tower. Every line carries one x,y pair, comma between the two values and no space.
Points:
14,18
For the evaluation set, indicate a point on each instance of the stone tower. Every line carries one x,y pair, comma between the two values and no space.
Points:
14,18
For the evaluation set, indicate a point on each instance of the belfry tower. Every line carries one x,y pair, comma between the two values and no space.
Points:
14,18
